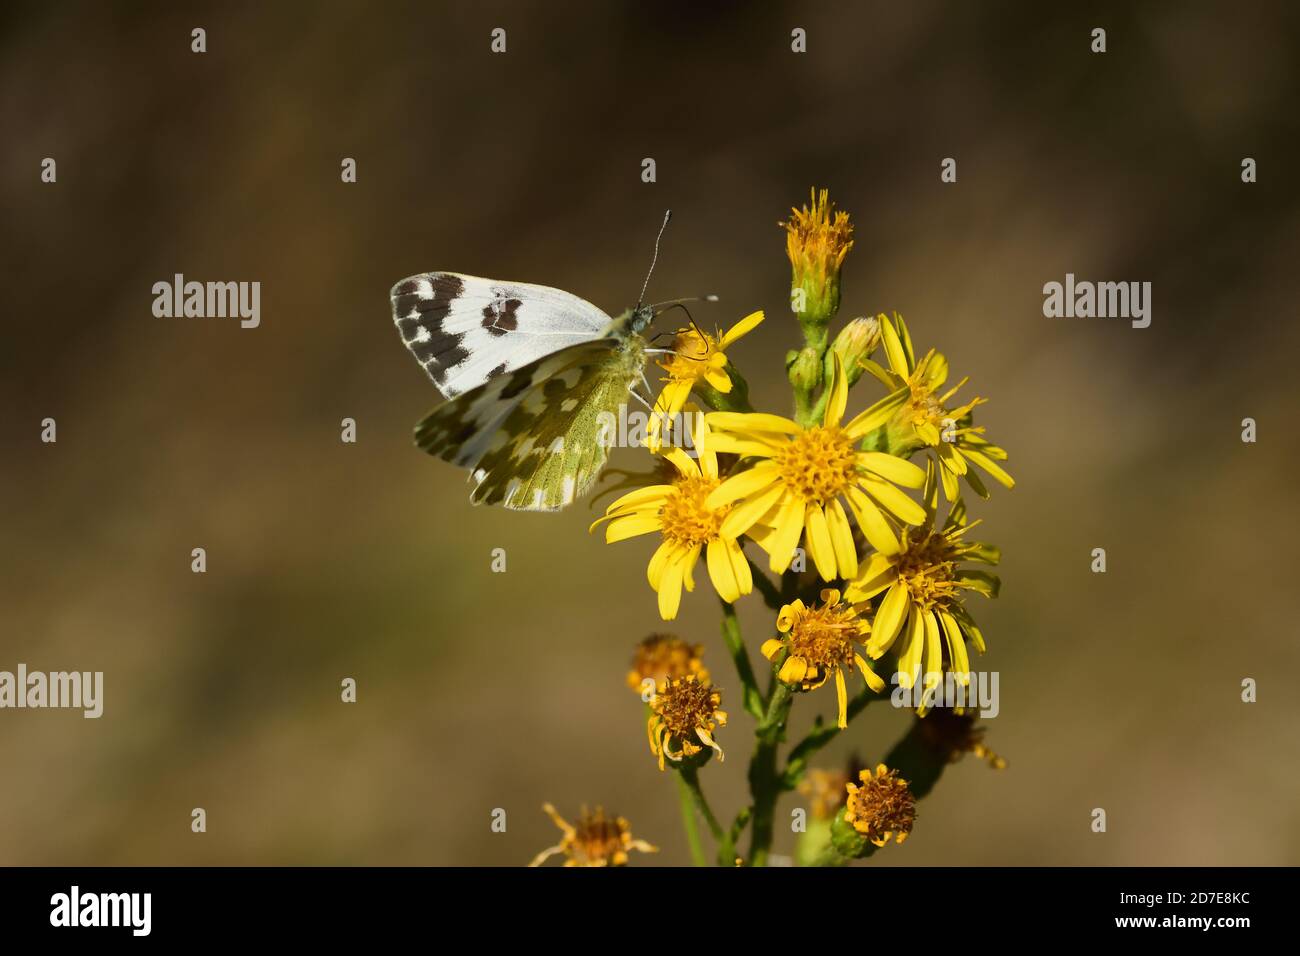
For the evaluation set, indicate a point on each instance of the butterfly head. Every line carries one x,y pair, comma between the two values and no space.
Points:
641,318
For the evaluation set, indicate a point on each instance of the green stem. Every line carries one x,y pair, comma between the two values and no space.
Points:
752,700
764,782
687,802
818,738
771,596
689,775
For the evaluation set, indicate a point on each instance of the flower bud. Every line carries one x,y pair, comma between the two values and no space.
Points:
857,341
816,239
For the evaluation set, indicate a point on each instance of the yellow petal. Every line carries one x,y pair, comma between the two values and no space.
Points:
873,577
989,465
651,494
898,470
842,698
771,647
741,328
889,619
630,526
873,524
878,414
743,517
933,647
909,658
846,554
820,546
684,463
721,572
749,422
874,680
837,392
719,379
658,561
787,531
744,445
894,349
793,670
893,500
670,586
739,565
744,484
956,647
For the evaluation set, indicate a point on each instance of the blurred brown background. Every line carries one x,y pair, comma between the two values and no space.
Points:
479,690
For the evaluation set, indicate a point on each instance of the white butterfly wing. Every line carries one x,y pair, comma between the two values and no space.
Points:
464,330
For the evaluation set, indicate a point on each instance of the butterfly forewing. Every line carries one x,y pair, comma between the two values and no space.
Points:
465,330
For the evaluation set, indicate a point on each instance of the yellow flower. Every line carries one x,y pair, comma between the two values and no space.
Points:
696,356
662,656
927,419
687,524
817,239
795,489
683,715
597,840
820,641
922,609
882,807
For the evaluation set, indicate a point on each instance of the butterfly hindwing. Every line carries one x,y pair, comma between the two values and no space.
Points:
535,437
465,330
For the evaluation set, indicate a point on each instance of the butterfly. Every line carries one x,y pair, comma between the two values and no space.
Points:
532,375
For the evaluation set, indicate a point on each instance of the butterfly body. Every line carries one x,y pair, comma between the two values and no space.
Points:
531,374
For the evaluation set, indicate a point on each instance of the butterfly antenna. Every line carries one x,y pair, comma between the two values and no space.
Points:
645,285
695,298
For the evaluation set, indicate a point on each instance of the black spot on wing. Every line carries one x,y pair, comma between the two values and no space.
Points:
519,380
501,315
497,371
421,315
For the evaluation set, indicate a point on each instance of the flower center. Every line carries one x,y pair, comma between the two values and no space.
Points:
692,351
819,463
882,804
927,567
825,636
922,407
685,705
685,518
597,837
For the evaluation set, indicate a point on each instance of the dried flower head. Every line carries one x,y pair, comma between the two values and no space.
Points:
825,790
663,656
683,717
818,642
597,840
953,735
881,807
